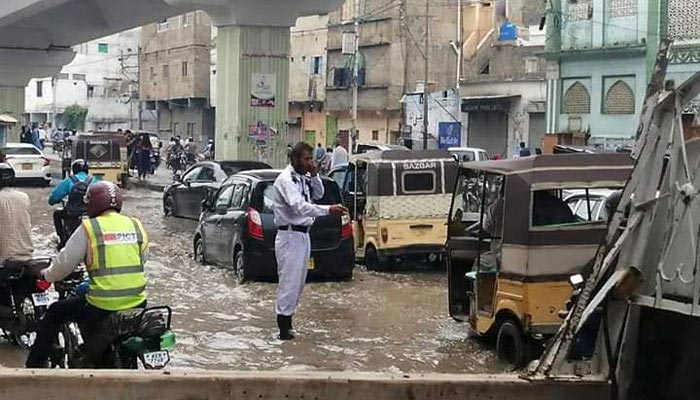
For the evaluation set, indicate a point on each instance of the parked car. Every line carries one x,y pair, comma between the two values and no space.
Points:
237,229
183,198
467,154
594,209
362,148
29,162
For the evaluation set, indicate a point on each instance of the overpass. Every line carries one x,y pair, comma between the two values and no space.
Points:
36,38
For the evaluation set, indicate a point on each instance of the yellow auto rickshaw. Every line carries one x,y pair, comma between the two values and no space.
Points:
518,229
105,154
398,200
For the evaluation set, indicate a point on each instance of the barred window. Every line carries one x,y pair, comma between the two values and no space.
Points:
683,17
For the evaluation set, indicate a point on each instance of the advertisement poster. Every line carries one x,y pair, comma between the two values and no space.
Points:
259,132
263,90
449,134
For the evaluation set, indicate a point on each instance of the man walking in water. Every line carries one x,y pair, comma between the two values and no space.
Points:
295,190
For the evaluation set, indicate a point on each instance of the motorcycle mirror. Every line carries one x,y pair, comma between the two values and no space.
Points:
576,280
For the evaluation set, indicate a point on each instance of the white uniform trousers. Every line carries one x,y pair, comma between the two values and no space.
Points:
292,250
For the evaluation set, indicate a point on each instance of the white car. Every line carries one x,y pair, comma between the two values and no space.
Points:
467,154
28,162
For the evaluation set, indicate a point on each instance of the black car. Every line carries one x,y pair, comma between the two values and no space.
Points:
183,198
237,229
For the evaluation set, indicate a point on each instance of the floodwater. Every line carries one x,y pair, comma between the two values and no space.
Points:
378,322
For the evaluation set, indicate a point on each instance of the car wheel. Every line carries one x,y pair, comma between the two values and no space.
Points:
511,345
239,267
372,261
168,206
199,251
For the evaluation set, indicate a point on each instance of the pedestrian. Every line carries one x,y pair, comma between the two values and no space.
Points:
36,137
524,150
326,160
320,152
26,135
144,149
340,155
296,188
42,135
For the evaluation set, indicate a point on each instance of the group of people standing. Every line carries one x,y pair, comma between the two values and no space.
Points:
139,148
36,135
328,158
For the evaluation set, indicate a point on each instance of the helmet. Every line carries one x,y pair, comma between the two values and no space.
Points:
79,165
7,175
102,197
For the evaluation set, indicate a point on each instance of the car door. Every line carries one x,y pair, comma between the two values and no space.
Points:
197,191
232,224
211,224
180,191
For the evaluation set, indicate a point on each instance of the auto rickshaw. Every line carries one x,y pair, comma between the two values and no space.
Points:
513,242
105,154
398,200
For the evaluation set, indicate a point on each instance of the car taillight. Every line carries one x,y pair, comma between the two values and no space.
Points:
346,231
43,285
47,162
255,228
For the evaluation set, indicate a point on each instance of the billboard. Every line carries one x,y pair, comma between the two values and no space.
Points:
449,135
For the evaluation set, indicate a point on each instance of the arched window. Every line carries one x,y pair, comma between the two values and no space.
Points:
577,100
619,99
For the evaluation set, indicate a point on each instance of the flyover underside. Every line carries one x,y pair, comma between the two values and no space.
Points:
112,385
253,98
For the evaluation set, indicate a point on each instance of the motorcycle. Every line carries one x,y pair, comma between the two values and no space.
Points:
58,145
119,341
70,225
23,300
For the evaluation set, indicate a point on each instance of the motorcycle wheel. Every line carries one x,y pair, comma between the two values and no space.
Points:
65,350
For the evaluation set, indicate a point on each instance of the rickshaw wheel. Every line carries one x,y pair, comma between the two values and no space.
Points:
511,346
372,259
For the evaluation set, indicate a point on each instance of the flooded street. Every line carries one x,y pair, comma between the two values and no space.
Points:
378,322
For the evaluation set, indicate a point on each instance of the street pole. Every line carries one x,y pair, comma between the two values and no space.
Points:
355,79
460,54
426,95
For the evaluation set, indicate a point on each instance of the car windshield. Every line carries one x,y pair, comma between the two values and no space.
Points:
264,194
21,151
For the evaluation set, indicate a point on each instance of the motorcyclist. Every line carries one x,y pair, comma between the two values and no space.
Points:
191,150
208,150
15,242
74,187
114,249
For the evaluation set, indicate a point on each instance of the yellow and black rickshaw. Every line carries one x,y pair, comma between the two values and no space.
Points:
105,154
518,229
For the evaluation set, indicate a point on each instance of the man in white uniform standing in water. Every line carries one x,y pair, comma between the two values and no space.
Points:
296,188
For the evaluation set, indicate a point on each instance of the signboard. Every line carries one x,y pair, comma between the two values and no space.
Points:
349,43
263,90
259,132
449,135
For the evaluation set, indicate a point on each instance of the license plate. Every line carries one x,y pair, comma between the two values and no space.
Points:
27,166
45,299
312,264
156,359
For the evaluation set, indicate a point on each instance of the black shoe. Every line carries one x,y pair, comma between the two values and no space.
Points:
285,325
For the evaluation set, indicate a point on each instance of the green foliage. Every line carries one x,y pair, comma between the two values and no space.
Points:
74,117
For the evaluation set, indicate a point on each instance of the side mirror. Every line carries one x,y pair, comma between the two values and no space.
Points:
177,177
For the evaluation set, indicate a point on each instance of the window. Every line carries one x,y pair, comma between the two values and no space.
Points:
577,100
418,182
191,126
192,175
375,135
224,199
103,48
79,77
39,88
184,68
316,63
63,77
166,71
683,16
207,175
153,72
90,91
239,196
162,26
532,66
619,99
548,209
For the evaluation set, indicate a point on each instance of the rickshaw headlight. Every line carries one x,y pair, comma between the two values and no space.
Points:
385,235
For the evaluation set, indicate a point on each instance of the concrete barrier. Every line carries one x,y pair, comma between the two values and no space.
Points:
180,385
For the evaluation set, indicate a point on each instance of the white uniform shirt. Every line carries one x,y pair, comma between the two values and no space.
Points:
15,225
292,203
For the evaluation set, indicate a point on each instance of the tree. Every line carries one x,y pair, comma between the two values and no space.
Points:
74,117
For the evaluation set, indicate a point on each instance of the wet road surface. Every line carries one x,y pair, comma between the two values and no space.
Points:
378,322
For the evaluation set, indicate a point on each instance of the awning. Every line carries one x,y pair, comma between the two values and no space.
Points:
490,97
6,119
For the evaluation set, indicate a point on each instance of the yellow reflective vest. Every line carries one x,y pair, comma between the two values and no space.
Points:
114,262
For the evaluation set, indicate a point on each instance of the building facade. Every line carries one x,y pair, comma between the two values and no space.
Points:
175,75
503,86
103,77
307,81
391,59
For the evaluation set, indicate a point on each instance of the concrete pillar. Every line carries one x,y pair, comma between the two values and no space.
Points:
12,104
252,93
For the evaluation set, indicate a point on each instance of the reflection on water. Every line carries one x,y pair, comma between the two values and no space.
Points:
377,322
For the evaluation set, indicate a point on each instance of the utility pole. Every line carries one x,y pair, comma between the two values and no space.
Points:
426,95
355,134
